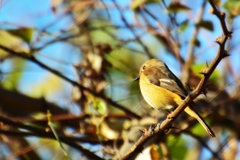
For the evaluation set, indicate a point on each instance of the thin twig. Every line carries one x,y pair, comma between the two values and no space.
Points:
87,139
57,73
190,53
42,132
204,144
132,30
169,39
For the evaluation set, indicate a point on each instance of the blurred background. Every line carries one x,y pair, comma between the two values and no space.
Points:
67,70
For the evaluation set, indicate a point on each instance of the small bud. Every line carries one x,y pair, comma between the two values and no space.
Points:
47,129
223,14
218,39
143,131
204,70
211,10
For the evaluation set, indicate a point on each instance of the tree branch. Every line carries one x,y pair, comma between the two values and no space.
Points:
55,72
132,30
166,124
190,54
38,131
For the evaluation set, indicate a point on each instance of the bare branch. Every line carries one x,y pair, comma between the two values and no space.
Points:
132,30
190,56
55,72
49,135
166,124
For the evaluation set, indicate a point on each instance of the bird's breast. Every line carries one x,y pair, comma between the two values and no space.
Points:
157,96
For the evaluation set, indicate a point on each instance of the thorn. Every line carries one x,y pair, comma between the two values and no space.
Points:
205,91
225,54
230,32
142,148
207,64
153,128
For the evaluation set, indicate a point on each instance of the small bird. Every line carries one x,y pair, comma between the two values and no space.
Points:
161,89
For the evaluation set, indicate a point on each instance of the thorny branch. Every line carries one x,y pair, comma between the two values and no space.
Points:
166,124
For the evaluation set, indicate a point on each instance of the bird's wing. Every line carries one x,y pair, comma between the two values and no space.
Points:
169,81
172,86
163,77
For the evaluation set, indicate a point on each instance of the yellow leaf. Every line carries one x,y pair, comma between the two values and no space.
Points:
24,33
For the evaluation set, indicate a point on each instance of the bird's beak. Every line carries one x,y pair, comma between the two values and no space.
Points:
137,78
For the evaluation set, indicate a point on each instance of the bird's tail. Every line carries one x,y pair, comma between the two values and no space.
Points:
194,114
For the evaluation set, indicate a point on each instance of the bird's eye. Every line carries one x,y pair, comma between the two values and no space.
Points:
143,67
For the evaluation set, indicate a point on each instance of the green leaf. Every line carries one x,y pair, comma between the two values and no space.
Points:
13,79
198,130
137,3
206,24
177,7
25,34
197,43
214,77
217,2
178,147
101,107
233,7
183,26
